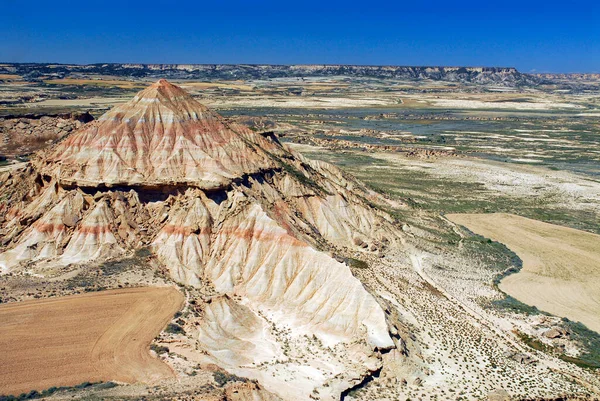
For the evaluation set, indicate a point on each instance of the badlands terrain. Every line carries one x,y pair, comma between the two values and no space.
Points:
298,232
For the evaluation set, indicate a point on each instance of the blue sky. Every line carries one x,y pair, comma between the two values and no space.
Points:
554,36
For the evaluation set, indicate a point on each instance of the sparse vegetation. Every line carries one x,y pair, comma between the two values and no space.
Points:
174,328
34,394
159,349
356,263
514,305
222,378
589,341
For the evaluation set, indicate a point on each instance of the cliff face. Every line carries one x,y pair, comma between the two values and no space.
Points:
477,75
218,206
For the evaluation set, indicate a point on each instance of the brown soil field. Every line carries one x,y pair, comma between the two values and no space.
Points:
97,82
10,77
561,265
99,336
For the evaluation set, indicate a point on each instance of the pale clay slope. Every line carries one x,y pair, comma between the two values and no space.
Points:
257,240
561,265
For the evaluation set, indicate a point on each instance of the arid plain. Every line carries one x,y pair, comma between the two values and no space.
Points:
462,264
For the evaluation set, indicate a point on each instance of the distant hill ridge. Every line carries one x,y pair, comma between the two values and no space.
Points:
507,76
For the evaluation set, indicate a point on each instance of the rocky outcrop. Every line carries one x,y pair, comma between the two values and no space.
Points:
220,207
409,151
21,135
555,332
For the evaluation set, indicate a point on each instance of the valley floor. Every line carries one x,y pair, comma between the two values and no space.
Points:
561,266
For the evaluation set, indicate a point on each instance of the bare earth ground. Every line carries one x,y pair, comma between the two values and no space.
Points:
561,265
100,336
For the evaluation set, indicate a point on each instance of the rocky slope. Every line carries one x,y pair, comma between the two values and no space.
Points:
21,135
222,208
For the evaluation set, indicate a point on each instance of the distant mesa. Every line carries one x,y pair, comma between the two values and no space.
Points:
504,76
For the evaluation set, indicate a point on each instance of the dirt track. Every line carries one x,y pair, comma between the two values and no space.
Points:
98,336
561,265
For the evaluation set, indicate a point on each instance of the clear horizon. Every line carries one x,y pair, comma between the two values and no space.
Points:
533,37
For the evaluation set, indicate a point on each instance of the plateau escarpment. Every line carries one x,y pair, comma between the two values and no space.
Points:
505,76
222,208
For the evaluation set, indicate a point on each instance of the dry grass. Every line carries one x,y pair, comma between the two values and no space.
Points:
561,265
98,336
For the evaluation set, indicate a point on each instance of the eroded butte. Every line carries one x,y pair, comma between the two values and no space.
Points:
220,206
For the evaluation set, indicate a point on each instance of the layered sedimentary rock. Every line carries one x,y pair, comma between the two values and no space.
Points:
219,206
163,136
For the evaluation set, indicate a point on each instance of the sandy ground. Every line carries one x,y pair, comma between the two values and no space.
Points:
99,336
561,265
